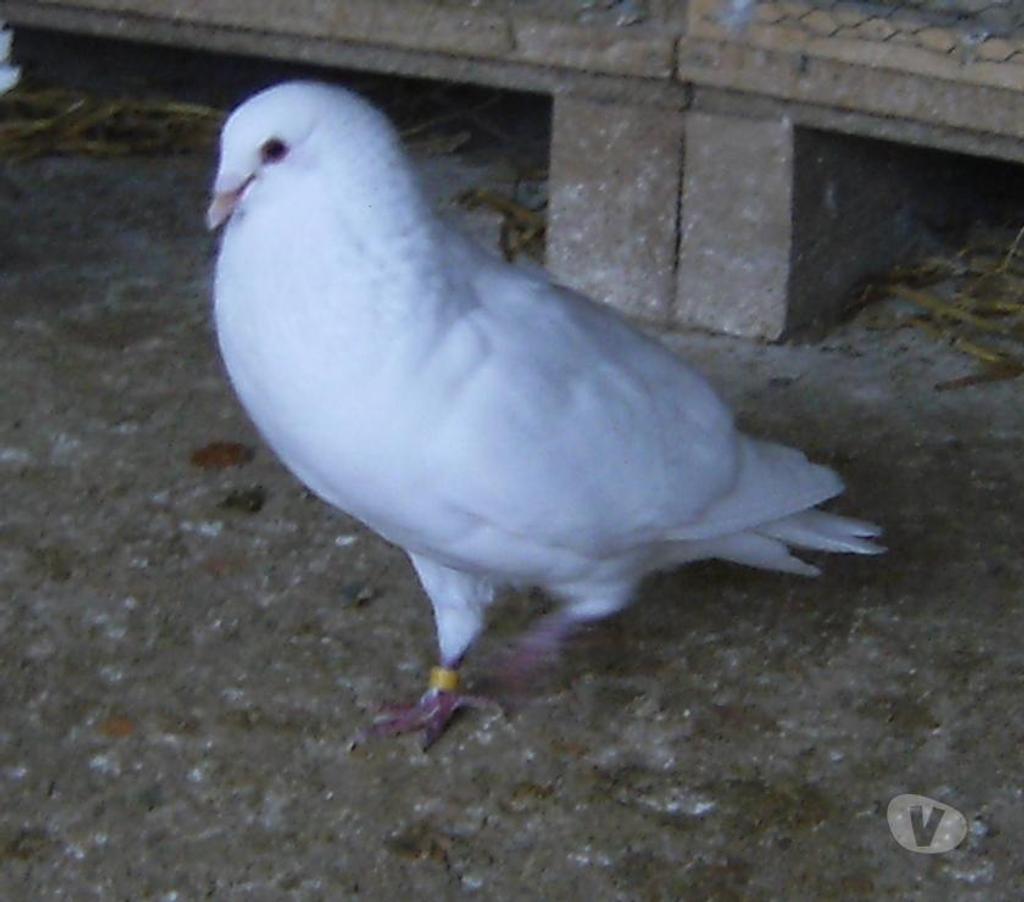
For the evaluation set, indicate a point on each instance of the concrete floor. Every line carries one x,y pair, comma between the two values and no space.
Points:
180,674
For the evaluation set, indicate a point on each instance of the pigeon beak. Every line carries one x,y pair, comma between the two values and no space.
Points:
227,192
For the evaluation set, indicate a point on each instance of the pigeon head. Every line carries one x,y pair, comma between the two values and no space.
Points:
300,127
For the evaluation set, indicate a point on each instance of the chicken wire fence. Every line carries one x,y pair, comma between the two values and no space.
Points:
918,22
947,32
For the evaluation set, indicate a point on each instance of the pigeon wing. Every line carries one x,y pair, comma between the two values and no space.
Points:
572,428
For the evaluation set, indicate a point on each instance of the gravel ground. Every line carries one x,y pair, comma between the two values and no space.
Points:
186,649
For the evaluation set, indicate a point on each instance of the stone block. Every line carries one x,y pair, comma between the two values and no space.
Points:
857,209
645,52
736,224
780,223
613,212
399,23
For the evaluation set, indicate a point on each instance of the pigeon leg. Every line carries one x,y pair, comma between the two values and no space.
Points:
536,652
430,715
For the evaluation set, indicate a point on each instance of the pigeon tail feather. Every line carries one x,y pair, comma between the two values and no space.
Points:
756,550
773,483
767,547
821,531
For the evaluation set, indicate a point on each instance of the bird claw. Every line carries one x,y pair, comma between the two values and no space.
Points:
430,715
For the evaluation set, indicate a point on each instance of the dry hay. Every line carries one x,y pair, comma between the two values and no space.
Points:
57,121
972,301
523,228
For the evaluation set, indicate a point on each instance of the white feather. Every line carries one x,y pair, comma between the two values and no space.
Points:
8,74
501,429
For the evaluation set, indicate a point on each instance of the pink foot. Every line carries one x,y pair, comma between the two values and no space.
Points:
535,655
431,715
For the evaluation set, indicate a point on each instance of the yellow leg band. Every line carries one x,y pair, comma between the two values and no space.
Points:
443,679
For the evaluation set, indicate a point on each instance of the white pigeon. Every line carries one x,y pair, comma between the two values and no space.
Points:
8,74
504,431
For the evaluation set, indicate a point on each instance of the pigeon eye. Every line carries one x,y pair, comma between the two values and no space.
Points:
273,151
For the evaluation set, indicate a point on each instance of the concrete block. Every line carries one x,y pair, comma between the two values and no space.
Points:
859,206
613,212
736,224
780,223
644,52
399,23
